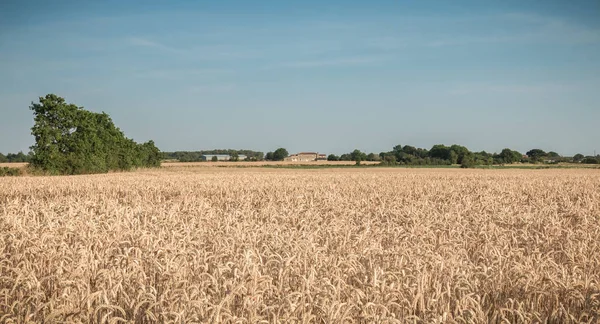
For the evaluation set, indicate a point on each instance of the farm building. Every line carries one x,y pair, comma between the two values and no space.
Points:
306,157
221,157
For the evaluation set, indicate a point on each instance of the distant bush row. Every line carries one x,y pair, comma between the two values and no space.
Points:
15,158
7,172
456,154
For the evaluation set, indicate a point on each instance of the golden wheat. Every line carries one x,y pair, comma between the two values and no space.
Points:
261,163
321,246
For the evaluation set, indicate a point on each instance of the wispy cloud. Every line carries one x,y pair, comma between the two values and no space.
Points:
211,88
389,43
144,42
341,61
173,74
199,52
540,88
554,29
520,28
458,41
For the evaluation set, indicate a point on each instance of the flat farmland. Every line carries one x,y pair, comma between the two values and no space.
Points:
13,165
261,163
250,245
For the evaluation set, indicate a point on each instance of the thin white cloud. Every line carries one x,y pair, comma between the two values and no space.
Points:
211,88
552,29
144,42
459,41
388,43
342,61
540,88
520,28
203,52
173,74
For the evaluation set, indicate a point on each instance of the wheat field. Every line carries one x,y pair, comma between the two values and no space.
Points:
215,245
262,163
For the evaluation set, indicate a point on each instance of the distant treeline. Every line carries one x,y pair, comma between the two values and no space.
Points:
399,155
456,154
15,157
408,155
196,156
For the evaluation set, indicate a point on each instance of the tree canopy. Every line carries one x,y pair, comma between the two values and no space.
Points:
441,154
72,140
358,156
333,157
280,154
536,154
509,156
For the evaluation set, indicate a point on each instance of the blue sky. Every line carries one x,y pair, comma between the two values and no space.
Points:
311,75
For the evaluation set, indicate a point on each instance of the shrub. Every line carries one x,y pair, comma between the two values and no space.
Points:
590,160
388,160
467,161
10,172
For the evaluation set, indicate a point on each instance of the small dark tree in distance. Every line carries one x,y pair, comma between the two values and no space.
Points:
280,154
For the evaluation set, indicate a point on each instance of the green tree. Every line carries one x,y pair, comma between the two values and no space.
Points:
517,156
333,157
373,157
18,157
214,158
460,152
410,150
3,158
398,153
536,155
468,161
234,157
389,159
357,155
440,151
591,160
422,153
269,156
553,154
509,156
453,157
280,154
578,157
345,157
150,155
71,140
